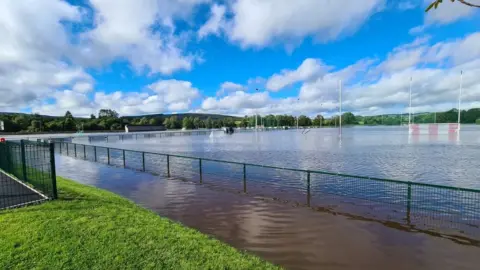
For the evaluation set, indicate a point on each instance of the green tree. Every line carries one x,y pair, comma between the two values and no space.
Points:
478,121
166,122
187,123
173,123
209,123
318,121
304,121
143,121
21,121
116,126
92,117
348,118
107,113
55,125
69,121
197,122
156,121
34,126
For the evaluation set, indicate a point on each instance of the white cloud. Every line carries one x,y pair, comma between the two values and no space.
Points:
141,32
372,87
259,23
165,95
236,101
326,87
417,30
406,5
405,56
310,69
83,87
215,23
179,94
227,87
32,51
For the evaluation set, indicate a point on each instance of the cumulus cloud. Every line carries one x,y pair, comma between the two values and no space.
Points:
215,23
310,69
141,32
258,23
228,87
32,51
236,101
81,105
373,87
41,58
179,94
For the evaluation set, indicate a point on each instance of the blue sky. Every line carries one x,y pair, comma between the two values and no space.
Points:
159,56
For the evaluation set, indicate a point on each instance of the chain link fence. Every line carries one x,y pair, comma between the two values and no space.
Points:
411,203
27,173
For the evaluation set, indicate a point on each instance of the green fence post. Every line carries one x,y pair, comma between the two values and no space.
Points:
60,143
108,156
124,158
409,201
75,149
95,153
53,173
84,152
143,160
24,161
244,178
168,165
200,168
308,188
8,165
67,148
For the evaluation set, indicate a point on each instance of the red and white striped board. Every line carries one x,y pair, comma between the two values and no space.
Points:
434,129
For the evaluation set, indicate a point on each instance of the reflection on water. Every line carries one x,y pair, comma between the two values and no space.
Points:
387,152
296,238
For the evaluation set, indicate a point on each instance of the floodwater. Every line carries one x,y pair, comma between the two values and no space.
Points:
293,237
384,152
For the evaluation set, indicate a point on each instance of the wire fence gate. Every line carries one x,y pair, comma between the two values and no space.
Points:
27,173
410,202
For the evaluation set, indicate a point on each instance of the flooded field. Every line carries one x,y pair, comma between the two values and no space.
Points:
385,152
294,237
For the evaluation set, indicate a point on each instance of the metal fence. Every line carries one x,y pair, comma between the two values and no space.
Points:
27,173
147,135
408,201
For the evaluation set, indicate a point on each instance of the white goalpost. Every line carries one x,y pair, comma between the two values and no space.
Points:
434,128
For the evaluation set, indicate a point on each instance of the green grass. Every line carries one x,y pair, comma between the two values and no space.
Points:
90,228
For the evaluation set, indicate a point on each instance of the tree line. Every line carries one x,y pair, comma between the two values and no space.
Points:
109,120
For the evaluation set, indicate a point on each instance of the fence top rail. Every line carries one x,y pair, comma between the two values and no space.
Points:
294,170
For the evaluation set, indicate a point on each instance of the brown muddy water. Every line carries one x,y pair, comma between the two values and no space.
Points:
292,237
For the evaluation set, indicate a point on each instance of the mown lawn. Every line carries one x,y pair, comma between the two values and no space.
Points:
90,228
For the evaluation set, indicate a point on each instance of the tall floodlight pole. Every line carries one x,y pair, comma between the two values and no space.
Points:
256,121
460,100
410,105
340,107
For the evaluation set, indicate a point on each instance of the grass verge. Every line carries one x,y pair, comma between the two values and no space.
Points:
90,228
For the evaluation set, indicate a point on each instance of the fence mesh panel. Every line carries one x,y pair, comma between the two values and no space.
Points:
27,173
410,202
